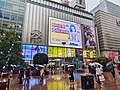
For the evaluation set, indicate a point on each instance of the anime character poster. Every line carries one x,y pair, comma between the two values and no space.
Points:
89,35
64,31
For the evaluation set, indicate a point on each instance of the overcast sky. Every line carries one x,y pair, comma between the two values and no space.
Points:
90,4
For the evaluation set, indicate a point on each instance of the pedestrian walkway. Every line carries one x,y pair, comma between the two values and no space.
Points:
61,82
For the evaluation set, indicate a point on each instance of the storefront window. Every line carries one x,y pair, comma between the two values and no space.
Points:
2,4
7,15
14,16
20,18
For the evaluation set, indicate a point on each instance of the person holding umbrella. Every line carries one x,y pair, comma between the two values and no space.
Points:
111,69
71,76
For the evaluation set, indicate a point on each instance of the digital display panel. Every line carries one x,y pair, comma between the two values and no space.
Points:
89,35
64,31
61,52
28,51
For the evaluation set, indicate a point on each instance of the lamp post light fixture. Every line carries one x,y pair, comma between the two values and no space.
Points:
64,55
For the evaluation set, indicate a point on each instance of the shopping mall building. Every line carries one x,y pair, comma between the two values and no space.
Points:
107,22
58,30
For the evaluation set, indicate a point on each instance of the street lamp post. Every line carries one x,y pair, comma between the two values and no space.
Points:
64,55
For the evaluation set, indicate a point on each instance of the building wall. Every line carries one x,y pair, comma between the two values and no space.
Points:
102,6
38,13
12,14
108,32
108,7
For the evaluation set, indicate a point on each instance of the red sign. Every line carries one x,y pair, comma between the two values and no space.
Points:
111,55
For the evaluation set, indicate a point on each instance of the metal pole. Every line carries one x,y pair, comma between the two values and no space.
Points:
64,54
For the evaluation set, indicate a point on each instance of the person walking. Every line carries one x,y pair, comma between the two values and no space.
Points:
89,68
98,74
71,76
41,73
21,75
118,68
111,69
93,70
27,76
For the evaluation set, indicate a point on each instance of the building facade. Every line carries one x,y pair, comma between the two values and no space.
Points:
107,22
48,23
12,14
80,4
108,7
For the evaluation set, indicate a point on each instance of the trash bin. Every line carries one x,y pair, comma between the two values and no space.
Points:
87,81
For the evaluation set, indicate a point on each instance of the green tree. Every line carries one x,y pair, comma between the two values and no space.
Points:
10,48
102,60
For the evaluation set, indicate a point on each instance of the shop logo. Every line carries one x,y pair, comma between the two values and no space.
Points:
118,22
36,36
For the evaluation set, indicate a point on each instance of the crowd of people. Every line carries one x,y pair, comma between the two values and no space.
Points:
95,70
26,73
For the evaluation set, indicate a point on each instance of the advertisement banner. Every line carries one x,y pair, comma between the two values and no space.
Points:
61,52
29,51
50,51
73,52
79,52
89,35
69,52
89,54
55,52
86,54
64,52
64,31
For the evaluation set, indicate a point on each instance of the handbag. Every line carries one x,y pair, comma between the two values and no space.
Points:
101,78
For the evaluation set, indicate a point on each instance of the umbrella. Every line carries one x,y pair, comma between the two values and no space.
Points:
95,63
70,66
109,63
31,65
40,66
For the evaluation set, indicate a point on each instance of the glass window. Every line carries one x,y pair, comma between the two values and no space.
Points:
13,25
20,18
7,15
2,4
15,8
9,0
13,16
1,13
6,24
8,5
22,0
19,26
21,9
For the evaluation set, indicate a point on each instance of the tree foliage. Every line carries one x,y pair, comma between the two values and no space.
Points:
102,60
10,48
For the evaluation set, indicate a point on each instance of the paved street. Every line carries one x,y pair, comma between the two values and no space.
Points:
61,82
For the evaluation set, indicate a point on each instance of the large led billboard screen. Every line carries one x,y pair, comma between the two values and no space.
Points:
61,52
64,31
28,51
89,35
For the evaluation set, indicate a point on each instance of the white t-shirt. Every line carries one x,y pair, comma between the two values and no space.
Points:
98,71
